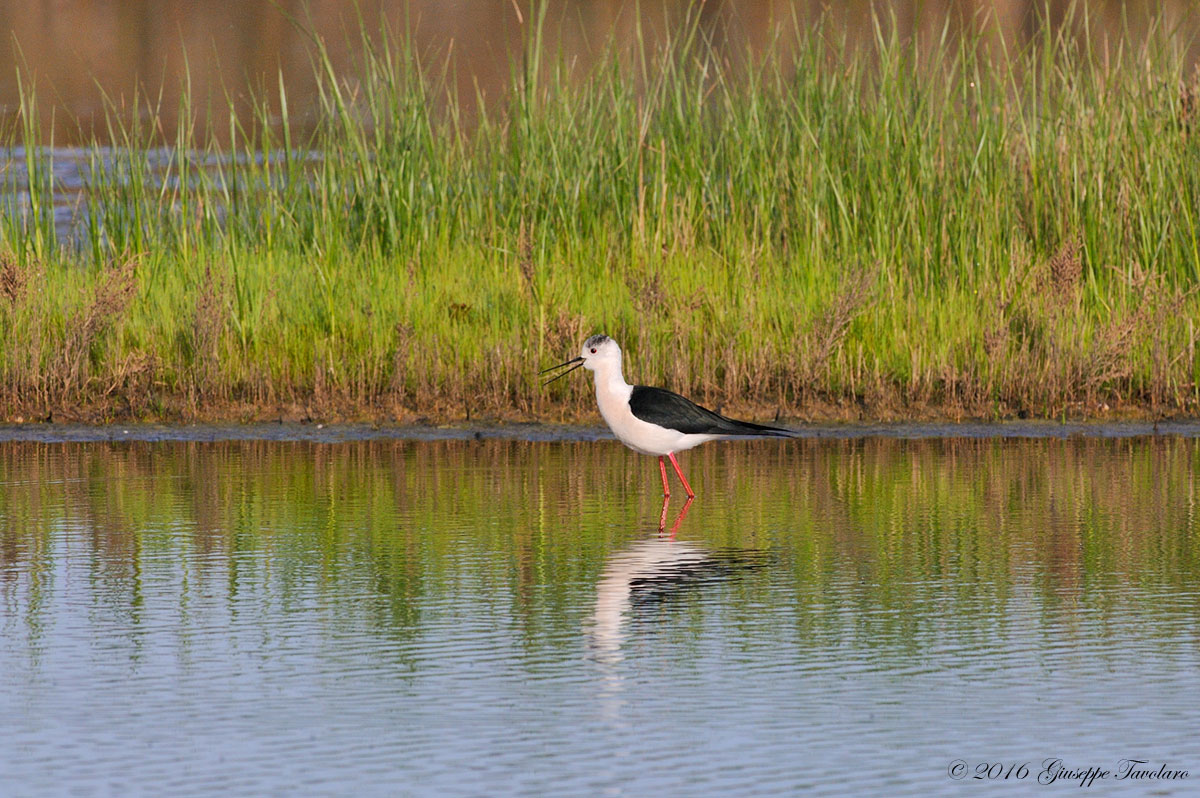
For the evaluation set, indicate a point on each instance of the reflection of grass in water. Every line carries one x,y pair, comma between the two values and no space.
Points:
880,539
972,234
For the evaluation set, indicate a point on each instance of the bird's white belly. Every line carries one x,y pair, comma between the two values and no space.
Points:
641,436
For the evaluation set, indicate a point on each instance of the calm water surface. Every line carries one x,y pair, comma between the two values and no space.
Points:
500,617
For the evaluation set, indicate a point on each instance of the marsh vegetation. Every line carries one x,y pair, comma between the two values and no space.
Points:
956,227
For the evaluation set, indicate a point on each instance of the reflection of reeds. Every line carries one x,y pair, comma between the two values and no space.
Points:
913,524
1123,501
842,231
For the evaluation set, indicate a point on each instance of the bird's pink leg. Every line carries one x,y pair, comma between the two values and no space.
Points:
666,487
662,519
682,478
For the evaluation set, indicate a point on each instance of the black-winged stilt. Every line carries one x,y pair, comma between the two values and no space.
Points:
654,421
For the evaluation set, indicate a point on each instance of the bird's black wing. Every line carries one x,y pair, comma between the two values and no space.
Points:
667,409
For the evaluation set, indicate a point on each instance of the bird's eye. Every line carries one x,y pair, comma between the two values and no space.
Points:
593,350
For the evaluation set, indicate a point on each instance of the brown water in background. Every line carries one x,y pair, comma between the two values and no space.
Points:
78,53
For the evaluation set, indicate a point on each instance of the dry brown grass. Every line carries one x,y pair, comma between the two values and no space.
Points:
809,362
71,371
210,317
525,261
1189,102
1045,355
13,280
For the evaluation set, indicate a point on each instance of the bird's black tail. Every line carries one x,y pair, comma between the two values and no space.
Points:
749,428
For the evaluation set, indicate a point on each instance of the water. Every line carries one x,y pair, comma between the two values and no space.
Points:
363,614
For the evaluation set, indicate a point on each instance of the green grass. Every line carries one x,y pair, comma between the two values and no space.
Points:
825,230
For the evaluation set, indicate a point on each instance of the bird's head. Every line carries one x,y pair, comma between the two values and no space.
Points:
598,352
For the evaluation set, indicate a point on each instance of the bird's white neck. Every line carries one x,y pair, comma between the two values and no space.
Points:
611,388
608,373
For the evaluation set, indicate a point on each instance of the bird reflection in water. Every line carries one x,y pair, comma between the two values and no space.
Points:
662,519
641,581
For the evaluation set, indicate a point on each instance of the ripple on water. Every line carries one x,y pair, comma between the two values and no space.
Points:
384,618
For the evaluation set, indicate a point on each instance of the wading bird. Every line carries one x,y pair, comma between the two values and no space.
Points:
654,421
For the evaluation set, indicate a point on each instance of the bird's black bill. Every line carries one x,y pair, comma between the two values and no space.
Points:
574,364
